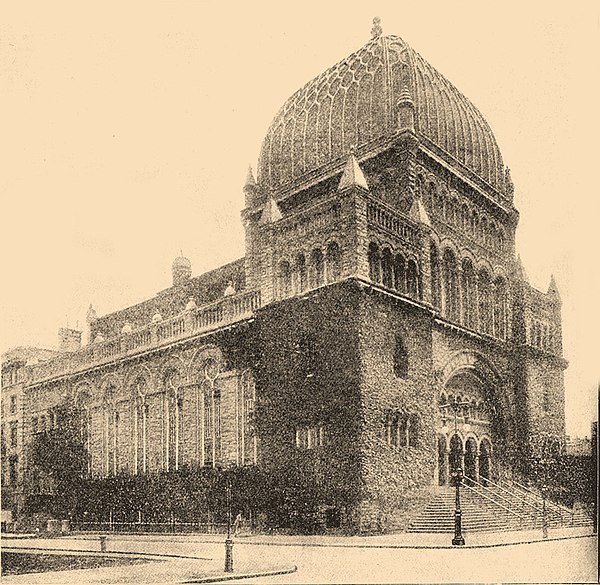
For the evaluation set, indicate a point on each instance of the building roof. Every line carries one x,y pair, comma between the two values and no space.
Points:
204,289
354,103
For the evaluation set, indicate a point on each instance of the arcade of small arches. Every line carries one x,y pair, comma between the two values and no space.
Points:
469,295
395,270
542,335
470,453
123,418
322,265
459,212
465,434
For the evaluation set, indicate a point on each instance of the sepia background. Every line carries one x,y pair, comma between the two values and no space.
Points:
127,129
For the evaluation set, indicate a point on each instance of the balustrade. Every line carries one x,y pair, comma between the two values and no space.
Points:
389,221
225,311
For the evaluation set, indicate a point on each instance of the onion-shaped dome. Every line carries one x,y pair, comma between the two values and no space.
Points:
355,103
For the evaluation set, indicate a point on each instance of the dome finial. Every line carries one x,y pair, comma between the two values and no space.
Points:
376,31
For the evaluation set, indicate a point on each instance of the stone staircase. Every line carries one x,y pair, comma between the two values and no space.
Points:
494,507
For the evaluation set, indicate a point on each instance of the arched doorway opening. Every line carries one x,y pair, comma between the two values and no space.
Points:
442,461
485,461
471,470
456,453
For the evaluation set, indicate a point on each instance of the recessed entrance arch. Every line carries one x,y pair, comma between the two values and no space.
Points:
471,463
465,436
456,453
442,460
485,461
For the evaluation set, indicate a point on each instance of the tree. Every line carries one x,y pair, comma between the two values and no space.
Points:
60,456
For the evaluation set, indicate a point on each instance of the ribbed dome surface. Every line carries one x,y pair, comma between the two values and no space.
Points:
354,103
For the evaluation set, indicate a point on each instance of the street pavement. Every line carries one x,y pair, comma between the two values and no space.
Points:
569,556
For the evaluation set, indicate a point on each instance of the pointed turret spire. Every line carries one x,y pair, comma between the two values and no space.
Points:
271,212
521,270
352,175
250,183
552,288
418,212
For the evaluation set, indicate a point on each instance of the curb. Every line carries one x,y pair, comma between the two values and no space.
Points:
97,553
218,578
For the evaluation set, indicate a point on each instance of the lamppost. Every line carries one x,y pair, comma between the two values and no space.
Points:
543,461
457,474
228,540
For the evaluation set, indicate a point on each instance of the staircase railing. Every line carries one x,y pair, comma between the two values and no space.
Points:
511,497
558,508
485,496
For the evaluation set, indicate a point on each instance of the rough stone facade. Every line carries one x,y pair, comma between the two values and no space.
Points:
380,287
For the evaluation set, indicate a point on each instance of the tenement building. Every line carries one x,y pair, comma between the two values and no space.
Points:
380,284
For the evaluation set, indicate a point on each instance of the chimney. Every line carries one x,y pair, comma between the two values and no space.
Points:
69,339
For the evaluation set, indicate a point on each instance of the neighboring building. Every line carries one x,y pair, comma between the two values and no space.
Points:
380,282
579,446
14,434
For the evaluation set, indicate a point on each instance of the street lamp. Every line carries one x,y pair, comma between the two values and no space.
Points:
228,540
457,474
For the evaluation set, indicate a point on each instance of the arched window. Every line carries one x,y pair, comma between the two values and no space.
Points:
500,308
400,273
413,430
387,268
436,287
451,286
484,231
432,196
316,268
111,430
546,399
301,280
249,439
84,408
284,280
173,418
374,263
469,308
400,358
140,425
465,218
412,279
501,240
484,290
334,262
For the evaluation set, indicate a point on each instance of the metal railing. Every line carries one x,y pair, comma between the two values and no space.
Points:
511,496
496,503
557,508
485,496
153,527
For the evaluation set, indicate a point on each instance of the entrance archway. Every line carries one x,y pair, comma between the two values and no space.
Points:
442,461
471,470
485,461
456,453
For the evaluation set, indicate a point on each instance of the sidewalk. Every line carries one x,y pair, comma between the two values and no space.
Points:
169,542
199,558
159,568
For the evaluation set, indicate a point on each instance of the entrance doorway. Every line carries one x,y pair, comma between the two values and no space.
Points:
485,463
471,459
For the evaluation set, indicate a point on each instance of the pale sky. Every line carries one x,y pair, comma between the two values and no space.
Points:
127,128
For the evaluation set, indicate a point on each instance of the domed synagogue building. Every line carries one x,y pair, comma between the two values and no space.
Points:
380,286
